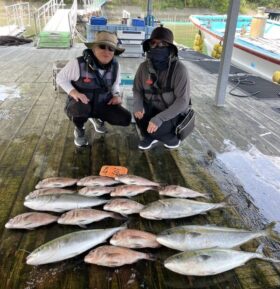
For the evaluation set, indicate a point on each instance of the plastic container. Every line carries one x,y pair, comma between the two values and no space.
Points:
98,20
138,22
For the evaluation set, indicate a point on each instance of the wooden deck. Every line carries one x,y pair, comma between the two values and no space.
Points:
36,141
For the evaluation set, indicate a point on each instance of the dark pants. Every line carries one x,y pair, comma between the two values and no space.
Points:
79,113
165,132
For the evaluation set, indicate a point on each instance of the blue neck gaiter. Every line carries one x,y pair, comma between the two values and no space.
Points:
159,57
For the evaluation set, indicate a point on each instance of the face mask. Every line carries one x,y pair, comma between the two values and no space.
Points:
159,57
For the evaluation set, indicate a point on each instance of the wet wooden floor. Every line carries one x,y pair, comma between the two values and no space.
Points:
36,141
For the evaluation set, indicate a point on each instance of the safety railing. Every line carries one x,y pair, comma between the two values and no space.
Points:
72,17
18,14
45,12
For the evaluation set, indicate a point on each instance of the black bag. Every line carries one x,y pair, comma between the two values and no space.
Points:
186,125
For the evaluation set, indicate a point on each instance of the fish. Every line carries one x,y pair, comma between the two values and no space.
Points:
129,190
92,181
123,206
131,238
177,208
180,192
207,262
69,245
95,191
135,180
82,217
112,256
194,237
56,182
30,220
62,203
48,191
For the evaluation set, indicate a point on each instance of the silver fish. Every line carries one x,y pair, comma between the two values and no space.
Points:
30,220
193,237
111,256
82,217
180,192
48,191
92,181
129,190
62,203
69,245
56,182
95,191
131,238
177,208
123,206
135,180
208,262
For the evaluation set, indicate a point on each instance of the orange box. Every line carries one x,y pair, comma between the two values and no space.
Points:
112,171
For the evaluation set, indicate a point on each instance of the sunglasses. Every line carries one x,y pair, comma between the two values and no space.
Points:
106,47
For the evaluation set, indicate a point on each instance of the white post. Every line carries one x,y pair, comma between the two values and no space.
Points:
224,69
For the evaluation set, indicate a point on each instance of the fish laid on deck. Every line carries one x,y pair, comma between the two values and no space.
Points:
56,182
180,192
92,181
208,262
69,245
135,180
30,220
131,238
82,217
112,256
48,191
129,190
177,208
193,237
95,191
123,206
62,203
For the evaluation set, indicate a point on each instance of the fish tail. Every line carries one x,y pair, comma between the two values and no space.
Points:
270,233
150,257
260,254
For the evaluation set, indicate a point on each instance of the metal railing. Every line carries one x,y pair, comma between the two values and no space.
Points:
45,12
18,14
93,5
72,18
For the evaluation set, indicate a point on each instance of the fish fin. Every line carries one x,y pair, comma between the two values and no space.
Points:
118,216
151,257
82,226
260,249
206,196
195,234
205,257
24,251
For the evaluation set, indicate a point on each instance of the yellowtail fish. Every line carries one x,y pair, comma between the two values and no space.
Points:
56,182
112,256
69,245
194,237
131,238
62,203
30,220
51,191
207,262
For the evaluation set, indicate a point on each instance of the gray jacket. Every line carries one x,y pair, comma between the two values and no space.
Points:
176,101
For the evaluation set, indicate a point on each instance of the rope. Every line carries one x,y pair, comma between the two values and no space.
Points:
245,81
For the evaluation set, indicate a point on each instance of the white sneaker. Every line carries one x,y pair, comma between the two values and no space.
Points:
99,125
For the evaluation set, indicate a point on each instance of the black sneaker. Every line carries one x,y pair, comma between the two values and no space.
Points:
99,125
80,138
172,143
146,143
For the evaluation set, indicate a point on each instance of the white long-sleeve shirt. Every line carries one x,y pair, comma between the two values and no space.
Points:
71,72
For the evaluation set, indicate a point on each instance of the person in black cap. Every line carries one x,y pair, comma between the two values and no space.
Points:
161,91
92,84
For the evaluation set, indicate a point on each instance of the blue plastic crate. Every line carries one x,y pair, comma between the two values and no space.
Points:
137,22
98,20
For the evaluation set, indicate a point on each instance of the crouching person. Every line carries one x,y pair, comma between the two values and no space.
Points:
161,91
92,84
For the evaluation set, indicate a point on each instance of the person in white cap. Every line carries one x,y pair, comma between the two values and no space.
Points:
161,91
92,84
